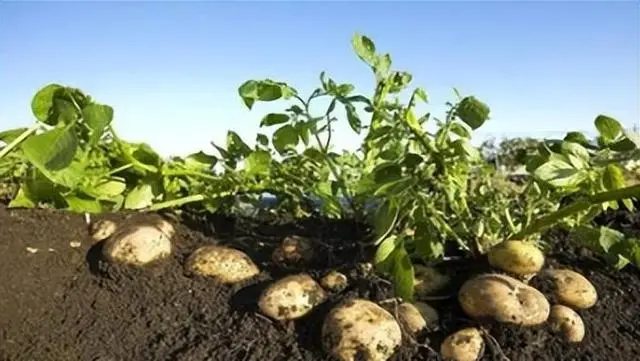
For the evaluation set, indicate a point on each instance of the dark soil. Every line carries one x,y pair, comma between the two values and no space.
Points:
62,303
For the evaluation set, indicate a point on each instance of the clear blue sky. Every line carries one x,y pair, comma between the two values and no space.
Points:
171,69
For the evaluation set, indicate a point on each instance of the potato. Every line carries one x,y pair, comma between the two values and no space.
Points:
334,281
291,297
428,280
102,229
294,251
226,265
504,299
564,319
572,288
360,328
517,257
139,243
464,345
416,316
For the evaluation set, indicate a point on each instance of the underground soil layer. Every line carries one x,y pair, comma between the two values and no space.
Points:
59,301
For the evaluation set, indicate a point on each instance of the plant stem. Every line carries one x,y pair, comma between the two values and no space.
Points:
4,151
550,220
192,173
175,203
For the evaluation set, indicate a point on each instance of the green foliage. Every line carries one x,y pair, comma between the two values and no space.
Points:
427,189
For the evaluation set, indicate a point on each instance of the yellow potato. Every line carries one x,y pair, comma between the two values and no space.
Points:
293,251
226,265
334,281
139,243
102,229
564,319
360,330
517,257
572,288
416,316
504,299
291,297
464,345
428,280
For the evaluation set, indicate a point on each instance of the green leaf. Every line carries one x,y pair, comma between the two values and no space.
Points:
81,205
421,94
460,130
303,132
141,196
52,150
386,217
464,148
396,187
386,248
559,173
577,154
403,274
613,177
257,163
264,90
274,119
10,135
200,161
106,189
97,117
399,81
262,139
42,102
576,137
608,127
473,112
387,172
364,48
354,121
284,138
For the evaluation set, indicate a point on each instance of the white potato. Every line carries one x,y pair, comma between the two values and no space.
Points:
226,265
428,280
517,257
464,345
505,299
291,297
416,316
564,319
360,328
334,281
572,288
294,251
102,229
140,242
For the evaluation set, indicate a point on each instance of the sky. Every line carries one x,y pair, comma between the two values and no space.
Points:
171,70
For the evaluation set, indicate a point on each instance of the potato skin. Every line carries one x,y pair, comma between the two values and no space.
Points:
334,281
137,244
572,288
504,299
464,345
428,280
294,251
102,229
416,316
517,257
225,264
567,321
359,327
291,297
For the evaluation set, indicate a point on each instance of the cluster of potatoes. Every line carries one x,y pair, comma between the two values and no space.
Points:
507,298
362,328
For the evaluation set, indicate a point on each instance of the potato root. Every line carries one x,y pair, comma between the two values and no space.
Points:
416,316
294,251
464,345
505,299
567,321
360,328
572,288
226,265
291,297
428,280
140,242
517,257
334,281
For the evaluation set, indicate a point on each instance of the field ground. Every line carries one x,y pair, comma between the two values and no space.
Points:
59,302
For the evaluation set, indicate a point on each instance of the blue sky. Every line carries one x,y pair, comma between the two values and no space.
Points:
171,69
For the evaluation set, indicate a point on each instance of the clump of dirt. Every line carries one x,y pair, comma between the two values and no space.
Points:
67,304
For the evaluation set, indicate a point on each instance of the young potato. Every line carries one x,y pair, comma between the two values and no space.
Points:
139,242
572,288
102,229
504,299
360,330
416,316
226,265
334,281
428,280
517,257
464,345
291,297
564,319
294,251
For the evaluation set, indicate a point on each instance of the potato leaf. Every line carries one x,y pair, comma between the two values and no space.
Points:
403,274
385,220
473,112
97,117
608,127
284,138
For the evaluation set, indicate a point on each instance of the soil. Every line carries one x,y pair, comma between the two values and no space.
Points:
59,301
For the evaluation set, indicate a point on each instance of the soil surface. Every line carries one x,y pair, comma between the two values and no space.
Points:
59,301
